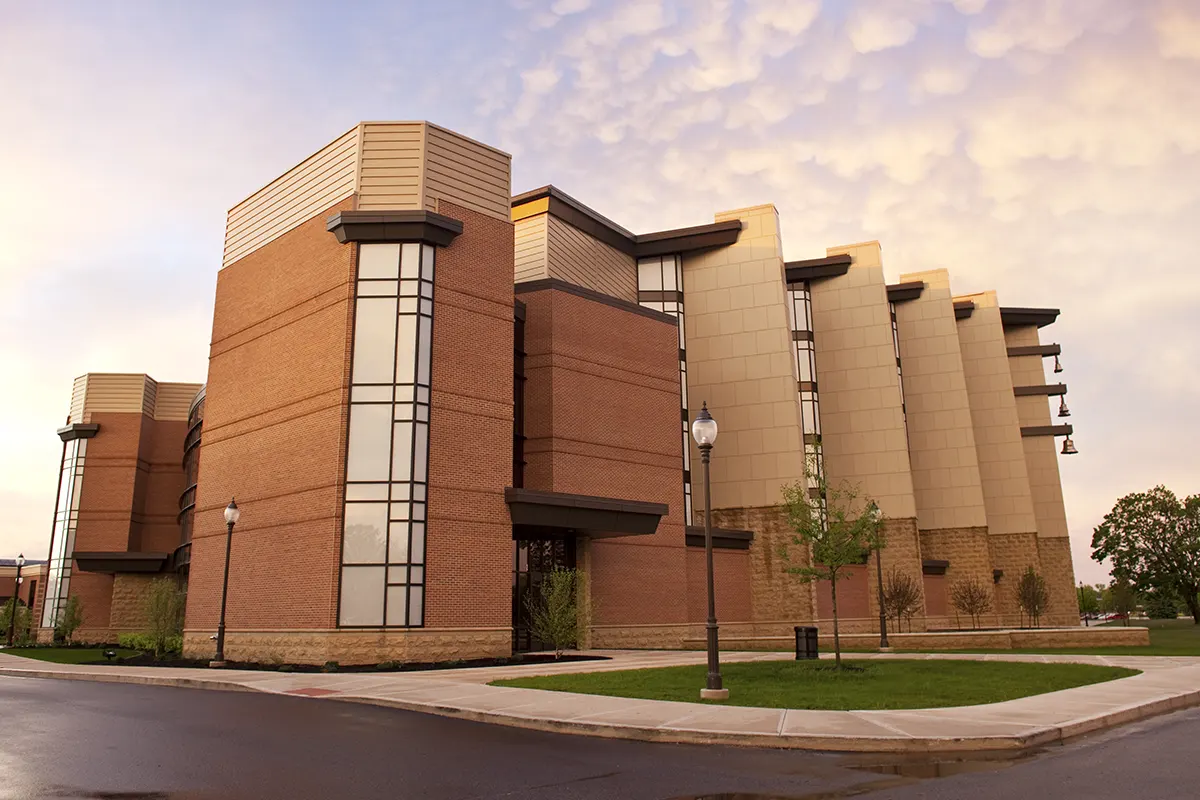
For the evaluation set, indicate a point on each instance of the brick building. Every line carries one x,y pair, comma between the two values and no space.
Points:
425,392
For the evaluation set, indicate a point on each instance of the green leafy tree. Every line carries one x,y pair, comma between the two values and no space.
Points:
164,614
1089,598
901,597
972,597
836,533
1032,595
1122,598
1162,604
70,617
553,612
1153,541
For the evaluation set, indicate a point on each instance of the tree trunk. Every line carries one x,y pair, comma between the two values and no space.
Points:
837,641
1193,604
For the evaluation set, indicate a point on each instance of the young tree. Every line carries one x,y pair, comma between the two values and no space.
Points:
70,617
553,614
21,628
164,613
1032,595
1123,598
901,597
837,533
1153,541
972,597
1089,599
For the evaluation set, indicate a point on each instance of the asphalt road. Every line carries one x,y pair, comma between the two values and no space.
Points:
74,739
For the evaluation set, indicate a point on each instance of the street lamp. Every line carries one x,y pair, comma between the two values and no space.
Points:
704,431
876,518
12,620
232,514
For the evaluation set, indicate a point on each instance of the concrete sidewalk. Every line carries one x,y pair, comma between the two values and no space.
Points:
1167,684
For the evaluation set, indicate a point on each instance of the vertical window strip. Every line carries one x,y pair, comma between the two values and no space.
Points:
66,521
385,519
899,369
661,278
800,310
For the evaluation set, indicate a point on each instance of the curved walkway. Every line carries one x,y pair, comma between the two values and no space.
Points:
1166,684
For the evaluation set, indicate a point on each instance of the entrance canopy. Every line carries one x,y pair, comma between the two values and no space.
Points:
546,515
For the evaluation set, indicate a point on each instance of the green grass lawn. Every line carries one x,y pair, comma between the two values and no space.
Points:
807,684
67,655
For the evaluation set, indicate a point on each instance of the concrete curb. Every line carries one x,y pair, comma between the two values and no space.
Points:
833,742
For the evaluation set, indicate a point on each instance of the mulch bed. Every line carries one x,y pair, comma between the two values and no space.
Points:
148,660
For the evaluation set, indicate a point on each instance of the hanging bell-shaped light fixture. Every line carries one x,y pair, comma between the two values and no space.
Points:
1063,411
1057,365
1069,447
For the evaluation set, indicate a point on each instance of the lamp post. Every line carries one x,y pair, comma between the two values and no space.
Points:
12,620
232,514
876,519
704,431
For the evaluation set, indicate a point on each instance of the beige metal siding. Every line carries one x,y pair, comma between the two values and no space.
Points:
113,392
862,422
995,419
78,394
393,166
174,399
575,257
740,360
465,172
530,248
945,466
307,189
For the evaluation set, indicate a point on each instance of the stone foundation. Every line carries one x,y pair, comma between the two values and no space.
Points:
774,594
416,645
967,551
1054,553
1012,553
956,640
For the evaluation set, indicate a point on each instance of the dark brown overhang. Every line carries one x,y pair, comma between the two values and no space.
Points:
596,517
120,561
78,430
688,240
963,308
394,226
933,566
1020,317
1042,350
542,284
901,292
813,268
723,538
1048,390
681,240
1047,430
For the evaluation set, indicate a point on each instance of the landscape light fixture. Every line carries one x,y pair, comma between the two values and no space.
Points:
704,431
232,515
876,516
12,620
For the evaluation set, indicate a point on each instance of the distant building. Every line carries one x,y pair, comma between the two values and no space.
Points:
425,393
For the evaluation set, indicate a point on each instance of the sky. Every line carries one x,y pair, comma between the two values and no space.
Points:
1049,149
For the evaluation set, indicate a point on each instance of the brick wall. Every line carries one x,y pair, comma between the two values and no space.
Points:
602,419
274,434
775,595
470,548
731,585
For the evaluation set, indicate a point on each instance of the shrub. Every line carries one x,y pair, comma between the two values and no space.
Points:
145,642
901,597
1162,604
552,612
388,665
286,668
69,619
1032,595
330,666
23,633
972,597
164,614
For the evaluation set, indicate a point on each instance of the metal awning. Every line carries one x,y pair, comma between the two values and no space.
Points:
120,561
537,514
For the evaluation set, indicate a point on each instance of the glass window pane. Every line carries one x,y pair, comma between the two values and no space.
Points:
426,349
370,446
427,262
395,604
423,413
426,306
366,491
408,305
416,574
371,394
404,394
406,349
378,260
416,604
404,412
419,492
426,293
422,394
374,340
408,288
418,543
362,596
668,274
376,288
365,536
400,491
420,451
401,510
401,451
397,575
650,275
398,543
410,254
418,511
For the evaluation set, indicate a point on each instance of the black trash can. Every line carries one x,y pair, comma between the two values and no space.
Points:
806,643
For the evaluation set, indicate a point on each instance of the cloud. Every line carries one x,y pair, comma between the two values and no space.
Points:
871,30
1179,32
1046,26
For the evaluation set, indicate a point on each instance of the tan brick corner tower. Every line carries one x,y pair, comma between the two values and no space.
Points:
359,407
